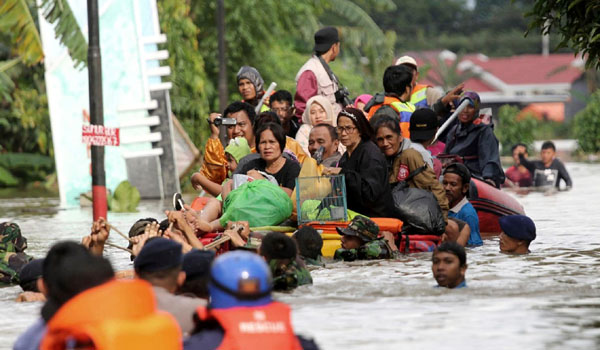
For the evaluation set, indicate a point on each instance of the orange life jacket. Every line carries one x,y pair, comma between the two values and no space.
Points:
404,109
255,328
117,315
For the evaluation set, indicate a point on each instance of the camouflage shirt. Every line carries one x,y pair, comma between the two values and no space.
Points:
10,265
12,258
318,262
289,275
376,249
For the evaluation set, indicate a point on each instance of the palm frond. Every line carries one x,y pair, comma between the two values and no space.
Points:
6,65
358,17
67,29
16,18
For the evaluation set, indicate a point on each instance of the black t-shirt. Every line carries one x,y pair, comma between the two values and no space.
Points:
286,176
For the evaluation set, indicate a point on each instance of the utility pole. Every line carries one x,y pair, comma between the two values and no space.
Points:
96,109
222,59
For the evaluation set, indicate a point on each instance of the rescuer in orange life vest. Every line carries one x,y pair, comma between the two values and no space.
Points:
241,313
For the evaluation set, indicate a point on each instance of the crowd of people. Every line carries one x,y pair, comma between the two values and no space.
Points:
184,291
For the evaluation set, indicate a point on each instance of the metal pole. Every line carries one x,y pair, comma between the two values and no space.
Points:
96,109
222,59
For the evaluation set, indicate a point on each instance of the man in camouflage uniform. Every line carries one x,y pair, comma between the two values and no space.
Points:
288,275
12,256
281,254
361,241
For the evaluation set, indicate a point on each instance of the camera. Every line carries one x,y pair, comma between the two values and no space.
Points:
342,96
222,121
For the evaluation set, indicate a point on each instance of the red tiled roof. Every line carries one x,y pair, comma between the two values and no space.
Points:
515,70
532,69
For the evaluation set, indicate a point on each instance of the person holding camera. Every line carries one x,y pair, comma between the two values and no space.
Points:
316,78
238,117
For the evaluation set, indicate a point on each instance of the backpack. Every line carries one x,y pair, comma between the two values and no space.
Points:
417,208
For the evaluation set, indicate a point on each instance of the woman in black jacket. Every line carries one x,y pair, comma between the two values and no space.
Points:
363,165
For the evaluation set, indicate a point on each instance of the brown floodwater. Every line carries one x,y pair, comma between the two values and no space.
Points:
549,299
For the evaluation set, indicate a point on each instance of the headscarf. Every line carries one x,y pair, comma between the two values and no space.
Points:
474,100
364,98
250,73
324,102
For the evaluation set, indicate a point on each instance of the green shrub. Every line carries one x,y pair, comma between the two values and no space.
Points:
512,130
587,125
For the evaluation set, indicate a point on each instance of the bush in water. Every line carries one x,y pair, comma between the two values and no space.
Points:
587,125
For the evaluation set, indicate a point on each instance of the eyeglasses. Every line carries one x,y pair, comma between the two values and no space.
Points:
347,129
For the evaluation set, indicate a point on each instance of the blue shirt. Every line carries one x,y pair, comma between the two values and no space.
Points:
465,212
32,338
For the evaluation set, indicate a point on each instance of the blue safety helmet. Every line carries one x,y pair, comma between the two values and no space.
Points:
239,278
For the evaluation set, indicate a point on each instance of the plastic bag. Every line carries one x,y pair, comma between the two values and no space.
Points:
419,210
311,169
259,202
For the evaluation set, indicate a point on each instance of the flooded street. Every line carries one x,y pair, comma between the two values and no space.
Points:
549,299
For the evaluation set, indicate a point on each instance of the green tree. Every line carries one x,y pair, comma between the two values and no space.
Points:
587,125
513,128
576,22
191,87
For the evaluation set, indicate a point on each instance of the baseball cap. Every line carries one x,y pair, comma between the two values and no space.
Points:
407,60
361,227
325,37
423,124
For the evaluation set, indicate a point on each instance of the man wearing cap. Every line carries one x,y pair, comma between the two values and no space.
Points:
517,233
159,263
457,180
418,161
241,313
475,143
426,96
315,77
361,241
420,92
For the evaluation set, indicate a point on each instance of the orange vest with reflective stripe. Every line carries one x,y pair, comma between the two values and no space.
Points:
419,95
404,109
255,328
117,315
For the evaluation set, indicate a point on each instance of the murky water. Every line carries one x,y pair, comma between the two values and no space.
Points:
549,299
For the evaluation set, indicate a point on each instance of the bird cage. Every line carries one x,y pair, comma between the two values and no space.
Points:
321,198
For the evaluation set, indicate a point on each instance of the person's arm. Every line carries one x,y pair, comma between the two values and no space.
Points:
489,157
305,88
475,236
213,166
291,172
199,182
527,163
98,236
564,174
369,181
